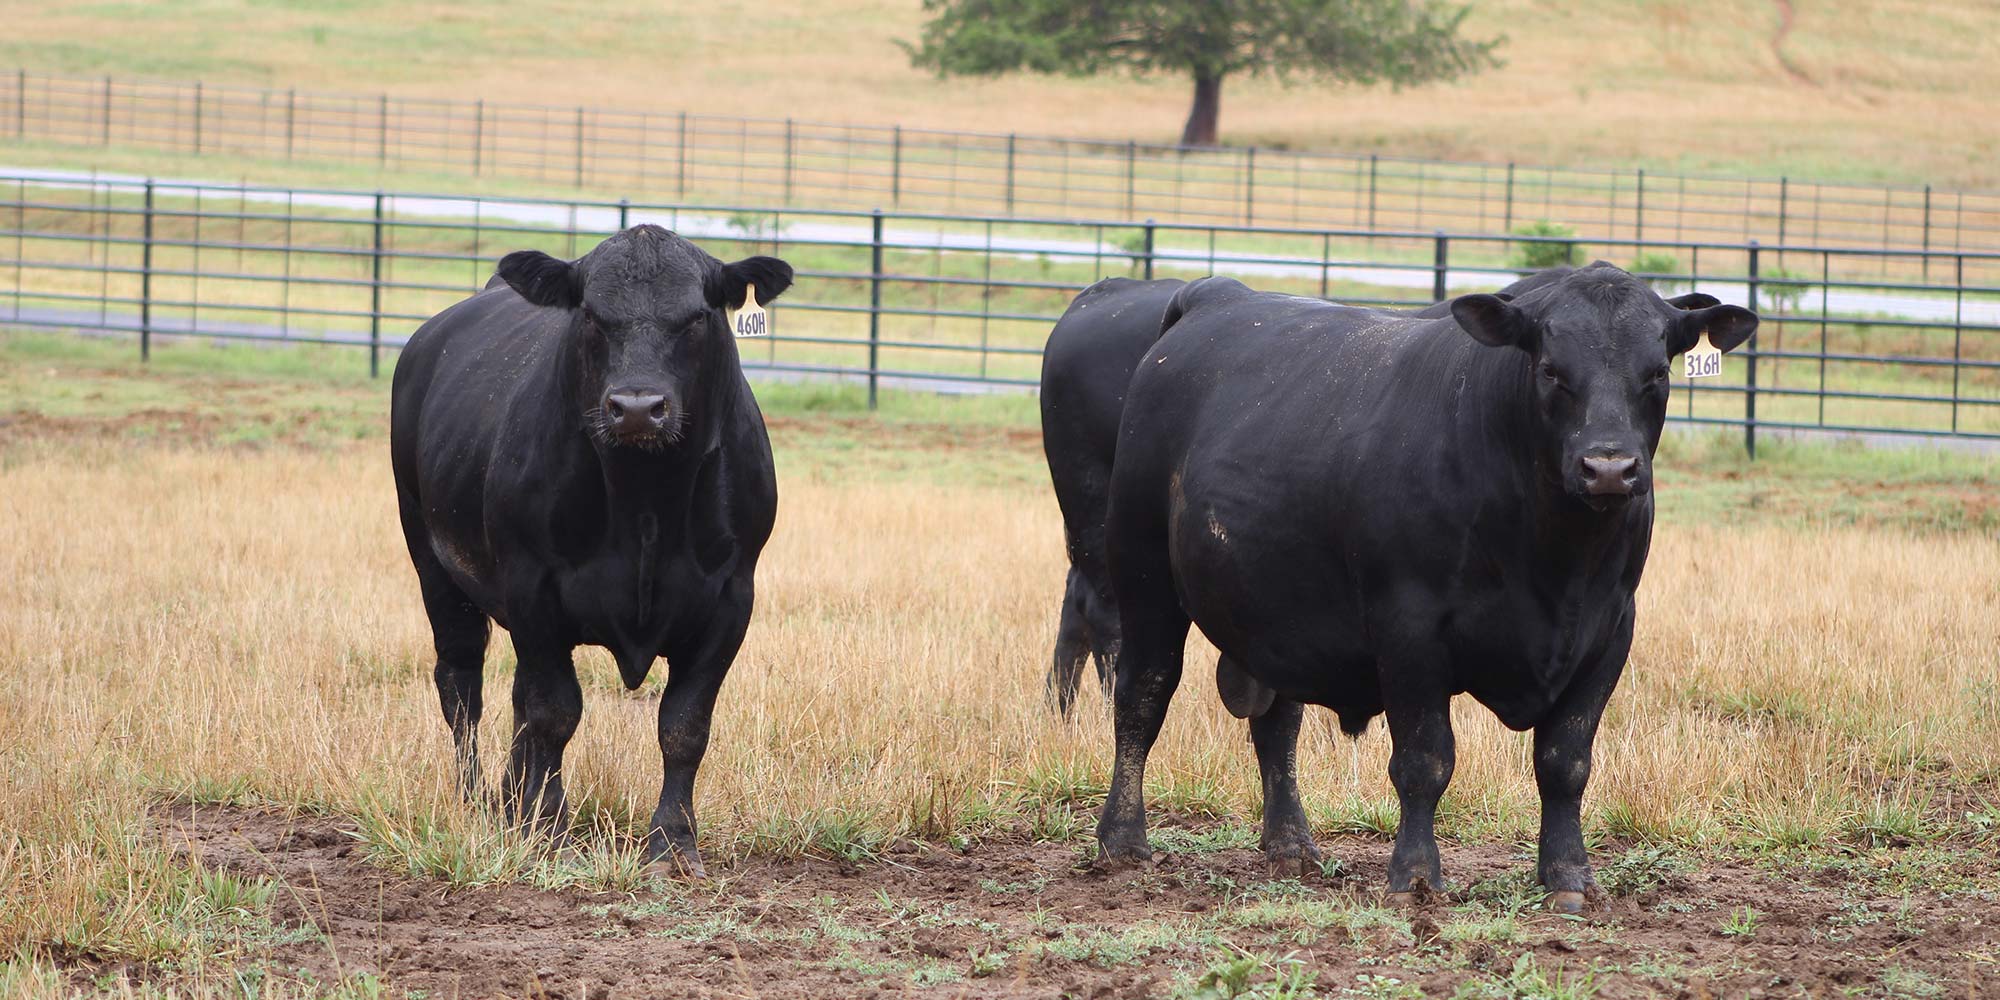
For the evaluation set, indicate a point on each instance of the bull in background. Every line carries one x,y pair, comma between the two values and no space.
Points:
1085,368
1377,512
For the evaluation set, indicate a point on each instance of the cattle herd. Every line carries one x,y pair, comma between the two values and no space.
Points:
1365,509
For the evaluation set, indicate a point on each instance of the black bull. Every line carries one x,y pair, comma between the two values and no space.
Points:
1375,512
1085,368
578,458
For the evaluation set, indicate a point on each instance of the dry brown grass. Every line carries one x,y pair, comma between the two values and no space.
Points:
1888,90
243,624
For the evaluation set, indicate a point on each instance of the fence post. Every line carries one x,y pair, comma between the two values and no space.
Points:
1438,267
1149,250
1131,172
1639,208
579,147
1010,173
20,104
1507,221
624,214
1372,162
681,156
478,137
1927,232
896,171
291,120
1750,365
197,118
1784,206
382,130
375,298
146,279
107,115
1957,338
1250,186
875,309
789,146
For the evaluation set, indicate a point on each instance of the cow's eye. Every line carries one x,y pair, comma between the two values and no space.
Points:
1550,374
1660,374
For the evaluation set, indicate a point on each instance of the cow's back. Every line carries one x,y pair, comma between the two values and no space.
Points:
1248,378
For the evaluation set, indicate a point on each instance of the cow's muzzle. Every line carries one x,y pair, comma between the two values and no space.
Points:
635,416
1608,479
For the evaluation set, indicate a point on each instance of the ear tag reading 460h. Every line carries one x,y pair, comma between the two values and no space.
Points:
1704,359
750,320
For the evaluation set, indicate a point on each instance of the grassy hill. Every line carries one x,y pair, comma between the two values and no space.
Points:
1832,89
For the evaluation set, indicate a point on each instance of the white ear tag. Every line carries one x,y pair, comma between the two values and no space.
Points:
749,319
1704,359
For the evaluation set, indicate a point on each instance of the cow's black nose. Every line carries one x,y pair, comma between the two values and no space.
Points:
636,413
1610,475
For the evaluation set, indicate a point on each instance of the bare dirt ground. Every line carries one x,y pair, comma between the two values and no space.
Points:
1018,918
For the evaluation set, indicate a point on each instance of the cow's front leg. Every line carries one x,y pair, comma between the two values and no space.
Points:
548,704
1288,842
1420,766
1563,743
694,678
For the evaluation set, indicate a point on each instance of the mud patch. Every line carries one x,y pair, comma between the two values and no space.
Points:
1018,918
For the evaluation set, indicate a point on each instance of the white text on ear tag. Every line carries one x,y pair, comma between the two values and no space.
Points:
1704,359
750,320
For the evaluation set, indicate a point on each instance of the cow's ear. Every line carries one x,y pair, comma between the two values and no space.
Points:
542,279
770,275
1493,321
1727,326
1694,300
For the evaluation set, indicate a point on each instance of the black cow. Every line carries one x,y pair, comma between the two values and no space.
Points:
1375,512
1085,368
579,458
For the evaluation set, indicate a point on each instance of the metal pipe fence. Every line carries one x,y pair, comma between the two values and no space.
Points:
1862,341
787,162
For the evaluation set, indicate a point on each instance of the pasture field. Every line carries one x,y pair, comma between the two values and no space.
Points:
222,770
1839,89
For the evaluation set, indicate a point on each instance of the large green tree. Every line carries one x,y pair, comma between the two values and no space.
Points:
1353,41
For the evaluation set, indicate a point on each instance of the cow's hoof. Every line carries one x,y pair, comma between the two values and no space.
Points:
1293,861
1289,867
1566,902
1418,894
676,867
1124,857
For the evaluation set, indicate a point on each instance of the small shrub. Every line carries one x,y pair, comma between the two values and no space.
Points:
757,225
1538,255
1656,269
1783,290
1742,923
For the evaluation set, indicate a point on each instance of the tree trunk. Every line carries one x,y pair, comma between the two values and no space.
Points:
1200,130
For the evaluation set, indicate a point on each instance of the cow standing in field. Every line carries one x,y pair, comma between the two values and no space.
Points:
578,458
1085,369
1375,513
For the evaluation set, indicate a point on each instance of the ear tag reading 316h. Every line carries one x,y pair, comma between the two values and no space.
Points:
750,320
1704,359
